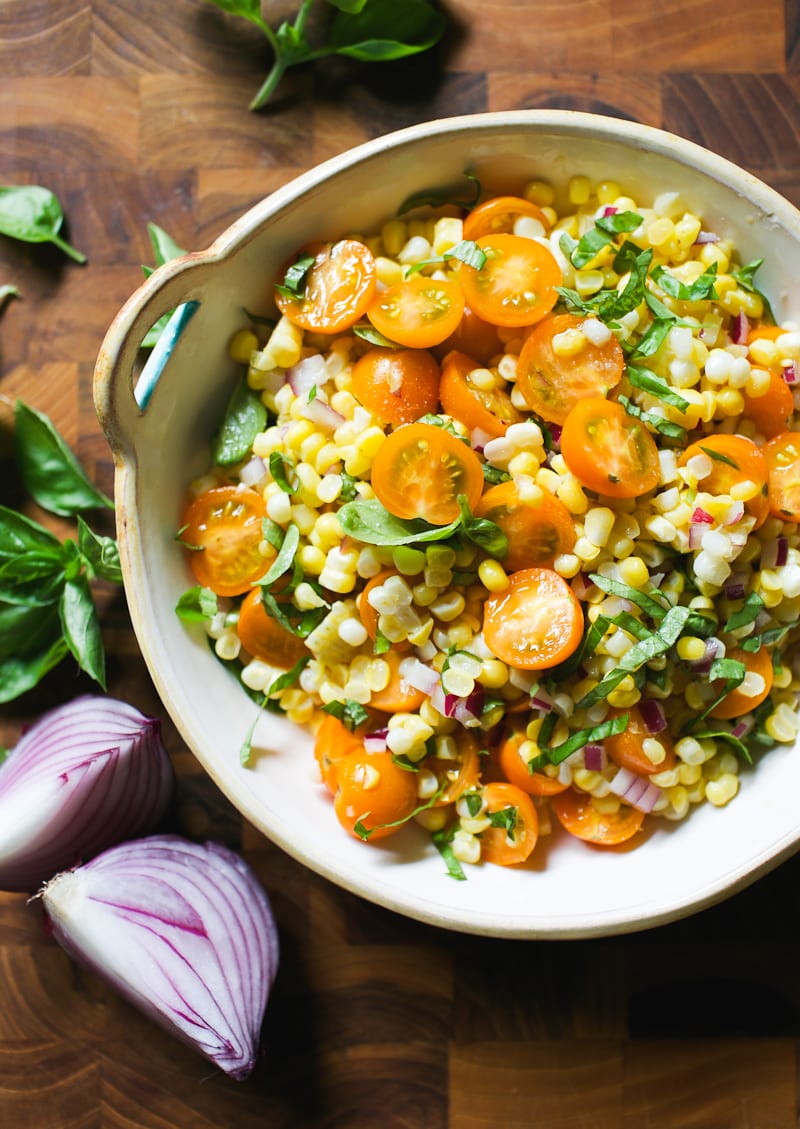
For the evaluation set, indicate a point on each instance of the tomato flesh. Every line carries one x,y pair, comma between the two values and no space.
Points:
577,814
538,531
516,286
223,529
338,288
782,455
608,450
419,312
536,622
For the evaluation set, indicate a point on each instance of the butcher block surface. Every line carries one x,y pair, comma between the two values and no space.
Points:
135,111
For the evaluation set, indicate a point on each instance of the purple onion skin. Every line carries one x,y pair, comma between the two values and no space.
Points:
183,931
82,778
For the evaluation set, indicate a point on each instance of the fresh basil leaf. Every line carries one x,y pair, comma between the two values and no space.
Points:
280,465
101,554
81,628
719,457
652,340
467,252
27,631
647,381
273,533
248,9
384,30
663,426
32,579
19,534
443,841
349,489
382,644
601,236
291,618
197,605
487,534
370,334
747,613
619,223
700,290
285,558
725,735
437,197
288,678
506,819
33,214
164,246
350,713
20,673
593,634
368,521
296,277
492,475
50,472
594,733
745,277
245,416
650,606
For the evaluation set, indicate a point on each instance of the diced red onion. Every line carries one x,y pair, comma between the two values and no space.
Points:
376,742
555,430
594,757
183,931
652,715
775,553
541,700
635,790
740,329
790,373
743,726
420,676
736,586
734,514
307,374
84,777
697,532
703,665
253,471
702,516
582,586
706,237
478,439
609,210
322,414
466,711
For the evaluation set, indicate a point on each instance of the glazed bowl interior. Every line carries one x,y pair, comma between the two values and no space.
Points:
568,889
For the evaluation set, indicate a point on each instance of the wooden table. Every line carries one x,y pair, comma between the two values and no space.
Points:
134,111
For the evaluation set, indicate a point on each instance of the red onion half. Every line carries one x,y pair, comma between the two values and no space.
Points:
85,776
183,931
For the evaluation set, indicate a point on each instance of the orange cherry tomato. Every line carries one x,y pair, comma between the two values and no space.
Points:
338,289
223,528
516,770
772,411
398,696
397,385
608,450
459,775
736,703
473,336
419,312
264,638
626,749
538,530
516,286
577,814
420,470
536,622
764,333
479,409
333,742
782,455
499,215
551,384
734,459
372,789
513,844
369,615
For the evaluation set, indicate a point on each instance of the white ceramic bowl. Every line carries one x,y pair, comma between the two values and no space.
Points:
569,889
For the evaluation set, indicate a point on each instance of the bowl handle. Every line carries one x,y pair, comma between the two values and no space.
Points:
121,396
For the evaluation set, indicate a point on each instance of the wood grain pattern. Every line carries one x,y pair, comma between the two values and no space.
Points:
135,111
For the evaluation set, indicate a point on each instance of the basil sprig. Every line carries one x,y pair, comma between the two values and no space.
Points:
371,31
33,214
367,520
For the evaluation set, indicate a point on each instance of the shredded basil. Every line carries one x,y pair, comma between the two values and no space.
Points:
745,276
437,197
467,252
747,613
296,278
350,713
197,604
647,381
443,841
595,733
665,427
280,466
718,457
285,558
369,333
652,607
700,290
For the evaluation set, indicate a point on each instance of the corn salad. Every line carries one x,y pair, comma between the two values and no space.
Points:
505,510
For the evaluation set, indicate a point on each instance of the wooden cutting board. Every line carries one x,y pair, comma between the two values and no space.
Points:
135,111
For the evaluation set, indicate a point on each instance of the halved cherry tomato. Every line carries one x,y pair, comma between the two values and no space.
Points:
516,770
369,615
479,409
264,638
782,456
538,530
608,450
333,742
457,775
772,411
551,384
625,749
509,845
398,696
372,789
499,215
736,703
536,622
338,289
734,459
764,333
473,336
419,312
577,814
420,470
516,286
397,385
223,528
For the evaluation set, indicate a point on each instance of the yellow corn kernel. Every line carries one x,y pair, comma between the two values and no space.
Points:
388,271
660,231
525,463
607,191
686,230
758,383
586,779
720,791
782,724
447,231
327,532
588,282
764,352
624,699
711,253
356,462
678,800
284,345
730,402
689,774
739,301
569,343
690,648
493,576
311,559
579,190
597,525
567,565
241,345
571,494
539,192
634,572
493,675
394,234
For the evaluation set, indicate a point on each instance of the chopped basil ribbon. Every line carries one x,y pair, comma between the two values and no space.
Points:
365,832
651,607
747,613
600,236
437,197
658,423
726,735
369,521
245,416
279,467
197,605
382,644
349,487
744,276
296,277
488,535
592,637
277,686
767,638
653,338
443,841
350,713
733,672
506,819
467,252
286,614
285,558
646,381
718,457
369,333
664,637
610,304
701,289
558,753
